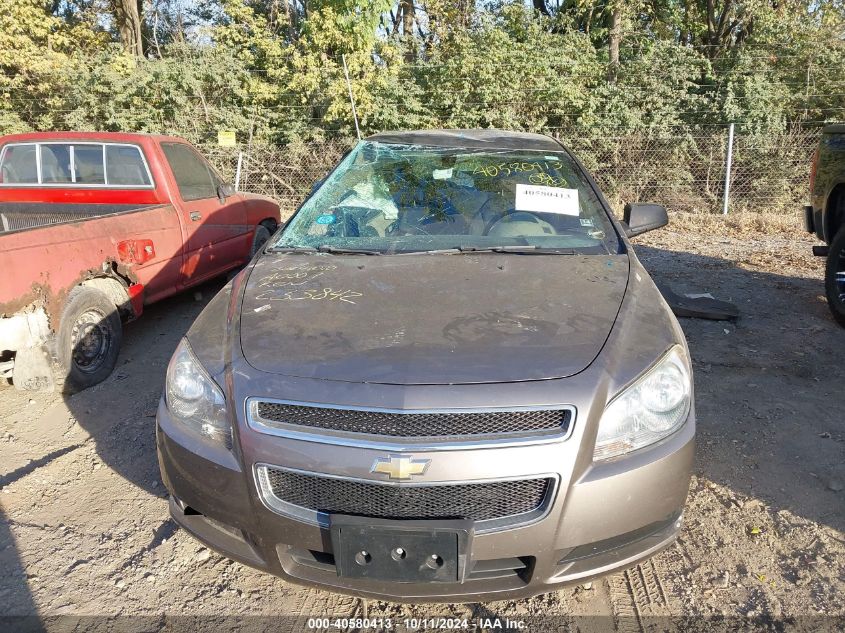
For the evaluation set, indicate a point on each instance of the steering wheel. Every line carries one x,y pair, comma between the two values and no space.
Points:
526,217
513,217
516,216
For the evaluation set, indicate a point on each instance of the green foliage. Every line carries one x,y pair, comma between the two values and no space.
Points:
510,73
274,72
35,49
190,93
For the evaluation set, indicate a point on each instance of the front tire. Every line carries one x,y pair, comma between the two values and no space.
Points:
262,234
834,278
89,338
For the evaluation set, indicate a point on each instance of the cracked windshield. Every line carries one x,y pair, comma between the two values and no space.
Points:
388,198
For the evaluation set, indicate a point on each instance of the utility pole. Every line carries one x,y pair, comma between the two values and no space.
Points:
351,98
728,165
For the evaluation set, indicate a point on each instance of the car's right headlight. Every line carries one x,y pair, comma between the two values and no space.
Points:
194,399
656,405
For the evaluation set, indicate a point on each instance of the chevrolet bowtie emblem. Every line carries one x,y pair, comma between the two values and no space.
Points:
400,466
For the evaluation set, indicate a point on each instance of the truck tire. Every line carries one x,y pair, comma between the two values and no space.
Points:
271,225
262,234
89,338
834,277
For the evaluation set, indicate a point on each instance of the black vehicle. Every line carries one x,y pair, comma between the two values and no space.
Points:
825,216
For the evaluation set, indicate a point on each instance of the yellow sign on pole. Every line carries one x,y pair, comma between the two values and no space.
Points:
226,138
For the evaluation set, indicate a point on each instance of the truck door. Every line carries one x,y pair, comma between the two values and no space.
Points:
215,230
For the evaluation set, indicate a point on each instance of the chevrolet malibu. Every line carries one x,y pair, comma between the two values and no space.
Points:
448,377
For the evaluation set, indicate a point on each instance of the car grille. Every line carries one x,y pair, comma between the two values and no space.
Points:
482,501
416,424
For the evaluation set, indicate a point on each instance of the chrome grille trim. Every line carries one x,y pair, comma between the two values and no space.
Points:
400,443
321,519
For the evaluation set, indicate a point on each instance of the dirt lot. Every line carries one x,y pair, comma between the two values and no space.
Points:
84,528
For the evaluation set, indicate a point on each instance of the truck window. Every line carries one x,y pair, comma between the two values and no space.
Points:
193,177
125,166
88,164
18,165
75,164
55,163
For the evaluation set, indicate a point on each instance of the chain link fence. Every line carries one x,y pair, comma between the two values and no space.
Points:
684,170
286,174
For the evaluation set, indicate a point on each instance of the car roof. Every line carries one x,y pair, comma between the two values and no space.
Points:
476,139
103,137
835,128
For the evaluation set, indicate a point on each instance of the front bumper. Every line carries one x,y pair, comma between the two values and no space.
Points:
607,517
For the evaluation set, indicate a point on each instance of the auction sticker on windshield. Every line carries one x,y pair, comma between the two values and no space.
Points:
541,199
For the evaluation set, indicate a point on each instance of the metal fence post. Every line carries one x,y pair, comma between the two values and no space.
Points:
351,98
238,171
728,164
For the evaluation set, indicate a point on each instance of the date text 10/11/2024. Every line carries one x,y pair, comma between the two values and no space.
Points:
417,624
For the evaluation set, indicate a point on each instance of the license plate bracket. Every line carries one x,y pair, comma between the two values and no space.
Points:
410,551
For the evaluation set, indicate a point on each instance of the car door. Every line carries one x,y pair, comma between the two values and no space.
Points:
215,229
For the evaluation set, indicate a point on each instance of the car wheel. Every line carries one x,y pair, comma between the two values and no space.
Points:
834,278
259,239
89,338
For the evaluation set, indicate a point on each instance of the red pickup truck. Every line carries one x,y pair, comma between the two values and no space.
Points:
93,226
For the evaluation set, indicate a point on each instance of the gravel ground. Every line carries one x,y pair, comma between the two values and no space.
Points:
84,529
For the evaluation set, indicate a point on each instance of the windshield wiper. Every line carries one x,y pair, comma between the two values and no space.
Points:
334,250
434,251
291,249
528,249
515,249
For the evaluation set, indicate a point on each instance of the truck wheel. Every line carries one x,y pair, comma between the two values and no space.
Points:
89,338
834,278
262,234
271,225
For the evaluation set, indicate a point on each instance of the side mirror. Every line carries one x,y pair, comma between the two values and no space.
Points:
641,217
224,190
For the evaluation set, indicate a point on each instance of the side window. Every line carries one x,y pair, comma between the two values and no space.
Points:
125,166
19,165
74,164
55,163
193,177
88,164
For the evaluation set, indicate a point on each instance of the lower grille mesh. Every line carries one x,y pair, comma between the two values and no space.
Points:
474,501
410,425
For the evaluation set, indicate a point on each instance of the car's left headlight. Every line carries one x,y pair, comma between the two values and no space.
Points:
656,405
194,399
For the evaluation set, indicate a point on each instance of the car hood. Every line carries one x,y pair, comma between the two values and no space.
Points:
430,319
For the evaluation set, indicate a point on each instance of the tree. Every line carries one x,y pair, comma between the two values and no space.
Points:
128,18
275,66
35,55
614,39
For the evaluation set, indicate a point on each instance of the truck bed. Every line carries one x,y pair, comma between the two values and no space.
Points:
22,216
41,263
